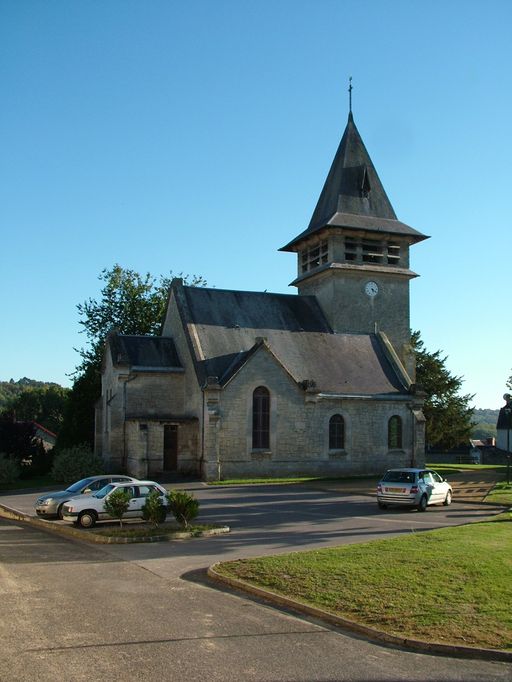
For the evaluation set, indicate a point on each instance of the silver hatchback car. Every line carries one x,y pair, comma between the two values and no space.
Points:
50,504
413,487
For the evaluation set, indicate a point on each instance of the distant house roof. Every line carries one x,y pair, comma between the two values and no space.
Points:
44,431
143,352
353,196
226,327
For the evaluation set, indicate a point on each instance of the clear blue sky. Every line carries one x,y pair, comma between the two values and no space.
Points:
196,136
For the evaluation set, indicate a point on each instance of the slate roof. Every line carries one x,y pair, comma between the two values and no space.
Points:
353,195
144,352
226,327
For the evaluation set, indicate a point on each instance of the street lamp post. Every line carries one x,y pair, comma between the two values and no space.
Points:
508,412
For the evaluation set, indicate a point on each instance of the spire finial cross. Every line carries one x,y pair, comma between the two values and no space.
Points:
350,94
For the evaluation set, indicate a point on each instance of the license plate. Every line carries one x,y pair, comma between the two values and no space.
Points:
395,490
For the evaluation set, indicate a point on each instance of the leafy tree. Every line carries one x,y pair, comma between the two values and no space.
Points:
11,390
42,404
9,469
17,439
154,510
72,464
183,506
78,423
129,302
117,503
509,383
448,414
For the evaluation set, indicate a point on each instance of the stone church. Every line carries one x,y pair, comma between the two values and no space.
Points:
319,382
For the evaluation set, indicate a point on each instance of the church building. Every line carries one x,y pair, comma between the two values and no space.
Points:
246,384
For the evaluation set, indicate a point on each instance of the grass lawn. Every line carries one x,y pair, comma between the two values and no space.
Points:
288,480
501,494
452,586
456,468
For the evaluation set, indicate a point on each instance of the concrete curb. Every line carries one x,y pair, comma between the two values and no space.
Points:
69,531
370,633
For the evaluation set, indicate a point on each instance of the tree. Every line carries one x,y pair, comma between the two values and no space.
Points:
154,509
117,503
183,506
509,383
78,423
129,302
448,414
42,404
17,439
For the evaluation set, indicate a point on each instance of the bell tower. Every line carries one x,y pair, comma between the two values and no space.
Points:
354,255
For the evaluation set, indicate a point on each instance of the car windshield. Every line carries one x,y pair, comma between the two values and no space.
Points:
100,494
399,476
76,487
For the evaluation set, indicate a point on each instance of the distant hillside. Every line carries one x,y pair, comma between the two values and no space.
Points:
9,390
485,426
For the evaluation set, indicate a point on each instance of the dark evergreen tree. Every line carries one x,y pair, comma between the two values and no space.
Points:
448,414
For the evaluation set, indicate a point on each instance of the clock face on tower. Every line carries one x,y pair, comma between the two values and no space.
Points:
371,289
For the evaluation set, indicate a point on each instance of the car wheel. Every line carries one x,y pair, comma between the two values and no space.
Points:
87,519
382,505
448,499
422,505
60,511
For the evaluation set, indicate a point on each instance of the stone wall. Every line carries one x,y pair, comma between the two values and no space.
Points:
300,429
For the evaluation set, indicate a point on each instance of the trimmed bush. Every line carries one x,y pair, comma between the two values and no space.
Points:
154,509
117,503
183,506
75,463
9,469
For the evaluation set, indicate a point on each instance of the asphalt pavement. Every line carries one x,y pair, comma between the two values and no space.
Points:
146,611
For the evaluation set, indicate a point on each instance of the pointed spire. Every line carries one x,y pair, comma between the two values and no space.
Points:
353,196
350,88
352,185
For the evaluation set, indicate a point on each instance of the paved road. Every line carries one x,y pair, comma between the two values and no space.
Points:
136,612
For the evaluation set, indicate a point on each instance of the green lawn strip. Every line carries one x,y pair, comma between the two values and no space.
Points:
291,480
501,494
458,468
452,586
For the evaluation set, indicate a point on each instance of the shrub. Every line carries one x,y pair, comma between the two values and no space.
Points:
75,463
154,510
117,503
183,506
9,469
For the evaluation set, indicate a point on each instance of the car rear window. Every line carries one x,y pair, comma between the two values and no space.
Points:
399,476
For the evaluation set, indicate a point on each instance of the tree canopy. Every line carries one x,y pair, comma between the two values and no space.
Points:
43,404
447,412
129,302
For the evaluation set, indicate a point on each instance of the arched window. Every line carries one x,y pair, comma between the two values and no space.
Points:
336,432
261,418
395,432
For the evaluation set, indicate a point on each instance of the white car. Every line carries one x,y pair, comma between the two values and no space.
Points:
87,510
413,487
